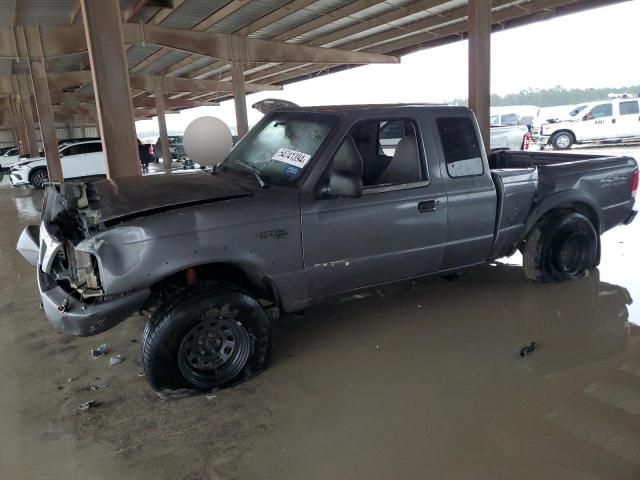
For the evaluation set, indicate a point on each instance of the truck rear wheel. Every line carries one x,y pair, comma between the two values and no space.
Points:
561,247
204,337
562,141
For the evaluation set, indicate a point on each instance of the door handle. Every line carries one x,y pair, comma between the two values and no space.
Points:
428,206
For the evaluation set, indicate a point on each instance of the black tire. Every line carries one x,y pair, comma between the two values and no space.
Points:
562,140
229,327
561,247
38,177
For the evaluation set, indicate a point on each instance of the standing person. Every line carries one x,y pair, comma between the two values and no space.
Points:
145,156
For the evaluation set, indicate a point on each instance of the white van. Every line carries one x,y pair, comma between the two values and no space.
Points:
609,120
78,159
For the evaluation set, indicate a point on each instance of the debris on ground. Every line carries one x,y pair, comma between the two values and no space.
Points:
211,397
87,405
526,350
100,351
115,360
97,386
141,374
419,306
71,379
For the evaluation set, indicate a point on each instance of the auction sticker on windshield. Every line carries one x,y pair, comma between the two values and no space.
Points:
292,157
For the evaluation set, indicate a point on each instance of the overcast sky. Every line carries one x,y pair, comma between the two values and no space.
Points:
597,48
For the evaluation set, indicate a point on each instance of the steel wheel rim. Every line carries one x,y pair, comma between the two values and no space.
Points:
39,178
563,140
570,254
216,348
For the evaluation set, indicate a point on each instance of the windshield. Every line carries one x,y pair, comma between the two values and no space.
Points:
279,149
577,110
494,120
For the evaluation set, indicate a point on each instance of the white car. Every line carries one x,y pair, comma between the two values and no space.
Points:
617,119
9,158
78,159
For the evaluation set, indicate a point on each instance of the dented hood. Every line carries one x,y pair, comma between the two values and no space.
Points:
135,196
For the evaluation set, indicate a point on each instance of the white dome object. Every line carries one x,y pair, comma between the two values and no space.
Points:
207,140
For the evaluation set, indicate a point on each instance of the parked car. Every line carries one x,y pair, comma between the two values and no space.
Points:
310,206
617,119
515,137
176,147
78,159
9,158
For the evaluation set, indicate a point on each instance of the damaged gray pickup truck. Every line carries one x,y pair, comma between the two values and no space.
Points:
312,204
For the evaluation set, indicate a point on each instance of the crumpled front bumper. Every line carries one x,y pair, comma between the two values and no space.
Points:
70,316
67,313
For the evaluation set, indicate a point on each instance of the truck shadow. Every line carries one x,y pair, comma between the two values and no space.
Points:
493,308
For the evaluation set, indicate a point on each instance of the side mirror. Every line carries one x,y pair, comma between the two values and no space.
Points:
588,116
344,184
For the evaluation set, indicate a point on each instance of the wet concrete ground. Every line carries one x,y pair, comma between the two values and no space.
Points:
419,381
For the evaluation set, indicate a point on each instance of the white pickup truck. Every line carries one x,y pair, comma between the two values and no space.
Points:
616,119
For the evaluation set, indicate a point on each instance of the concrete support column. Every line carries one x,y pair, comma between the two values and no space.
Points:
46,118
239,98
16,112
480,64
109,71
27,116
159,93
15,129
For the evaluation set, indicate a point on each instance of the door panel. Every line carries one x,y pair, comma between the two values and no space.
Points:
381,237
598,123
629,119
73,161
471,193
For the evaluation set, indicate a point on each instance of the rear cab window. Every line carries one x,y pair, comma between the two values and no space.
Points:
460,147
629,108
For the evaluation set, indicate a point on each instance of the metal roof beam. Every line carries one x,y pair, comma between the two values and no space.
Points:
219,45
142,82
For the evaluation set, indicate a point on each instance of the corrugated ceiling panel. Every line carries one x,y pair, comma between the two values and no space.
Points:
301,16
192,12
138,53
164,62
247,14
352,19
50,12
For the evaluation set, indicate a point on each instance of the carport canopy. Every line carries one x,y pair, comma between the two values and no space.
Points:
72,60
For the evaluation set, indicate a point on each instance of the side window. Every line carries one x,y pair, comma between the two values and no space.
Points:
389,135
510,120
94,147
629,108
602,110
460,147
390,151
74,150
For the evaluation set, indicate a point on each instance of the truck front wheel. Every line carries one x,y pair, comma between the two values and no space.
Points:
561,247
205,337
562,141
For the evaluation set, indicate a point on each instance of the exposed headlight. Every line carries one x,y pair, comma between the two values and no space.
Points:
49,248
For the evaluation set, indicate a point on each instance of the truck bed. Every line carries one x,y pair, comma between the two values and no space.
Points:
602,183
